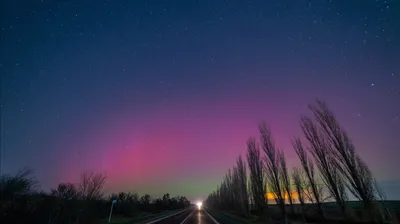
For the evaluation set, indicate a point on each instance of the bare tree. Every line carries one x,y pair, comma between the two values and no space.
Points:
91,185
240,179
357,174
23,182
250,192
325,160
382,198
232,192
224,195
257,178
66,191
286,179
226,191
272,166
300,184
308,168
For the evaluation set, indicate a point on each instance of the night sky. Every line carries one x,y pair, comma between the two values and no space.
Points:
162,95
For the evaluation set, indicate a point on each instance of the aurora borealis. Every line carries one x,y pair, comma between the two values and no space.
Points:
162,95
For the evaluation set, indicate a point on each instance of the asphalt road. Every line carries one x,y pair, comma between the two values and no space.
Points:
192,216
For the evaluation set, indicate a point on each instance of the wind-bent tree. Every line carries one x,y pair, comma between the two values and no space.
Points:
331,150
257,178
91,185
325,160
272,166
382,199
300,185
286,180
308,168
358,177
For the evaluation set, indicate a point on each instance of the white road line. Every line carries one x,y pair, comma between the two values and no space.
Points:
187,217
166,217
212,218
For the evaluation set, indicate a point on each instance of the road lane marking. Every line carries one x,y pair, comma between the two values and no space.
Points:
187,217
212,218
166,217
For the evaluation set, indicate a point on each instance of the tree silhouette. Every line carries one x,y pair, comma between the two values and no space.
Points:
308,168
326,161
65,191
359,179
273,166
67,204
240,183
166,200
334,155
91,185
257,178
232,192
22,183
286,180
301,187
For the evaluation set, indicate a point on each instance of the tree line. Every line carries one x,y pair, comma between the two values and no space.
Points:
85,202
330,169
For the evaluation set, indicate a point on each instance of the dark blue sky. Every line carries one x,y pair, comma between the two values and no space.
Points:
88,84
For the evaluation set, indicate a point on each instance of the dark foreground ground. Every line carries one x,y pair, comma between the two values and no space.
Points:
191,216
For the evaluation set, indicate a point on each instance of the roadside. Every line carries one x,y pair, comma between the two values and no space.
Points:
230,218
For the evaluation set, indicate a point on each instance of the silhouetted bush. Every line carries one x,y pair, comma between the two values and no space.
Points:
68,203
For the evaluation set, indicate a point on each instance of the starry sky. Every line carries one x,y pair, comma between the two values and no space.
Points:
161,96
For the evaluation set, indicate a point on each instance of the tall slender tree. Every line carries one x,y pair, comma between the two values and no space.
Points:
272,166
300,185
325,160
358,176
257,177
308,168
286,183
241,184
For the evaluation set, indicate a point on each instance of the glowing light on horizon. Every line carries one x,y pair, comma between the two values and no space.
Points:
270,196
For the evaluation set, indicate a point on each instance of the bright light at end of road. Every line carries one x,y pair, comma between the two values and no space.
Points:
199,204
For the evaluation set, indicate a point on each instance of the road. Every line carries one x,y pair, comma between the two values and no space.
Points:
192,216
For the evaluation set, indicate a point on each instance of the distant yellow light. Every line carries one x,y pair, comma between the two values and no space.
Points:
199,204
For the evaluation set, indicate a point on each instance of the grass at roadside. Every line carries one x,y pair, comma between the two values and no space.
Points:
231,218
